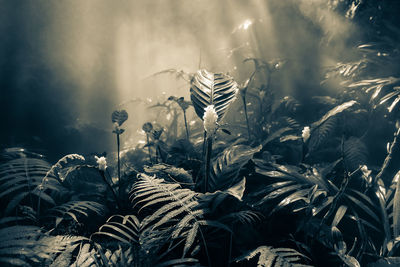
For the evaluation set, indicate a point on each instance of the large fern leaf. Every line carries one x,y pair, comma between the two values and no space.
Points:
355,153
28,245
176,214
96,255
216,89
20,180
65,165
175,201
76,209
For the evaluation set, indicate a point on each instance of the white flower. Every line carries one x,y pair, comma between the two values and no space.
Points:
102,163
305,133
210,118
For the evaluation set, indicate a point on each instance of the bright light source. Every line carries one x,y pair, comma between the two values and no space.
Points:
246,24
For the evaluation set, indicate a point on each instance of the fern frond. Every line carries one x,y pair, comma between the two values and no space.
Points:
355,153
24,245
321,129
320,134
63,163
122,228
275,257
177,213
178,201
247,217
75,209
20,180
171,173
86,257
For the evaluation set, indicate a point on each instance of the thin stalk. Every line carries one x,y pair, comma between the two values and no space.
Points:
245,113
148,146
209,141
119,164
110,187
158,154
204,144
186,125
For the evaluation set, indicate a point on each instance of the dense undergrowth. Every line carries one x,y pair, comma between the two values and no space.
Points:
266,187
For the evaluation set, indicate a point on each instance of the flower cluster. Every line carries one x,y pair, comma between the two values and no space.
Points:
102,163
210,118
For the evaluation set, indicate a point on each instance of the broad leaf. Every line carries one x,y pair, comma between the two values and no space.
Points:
216,89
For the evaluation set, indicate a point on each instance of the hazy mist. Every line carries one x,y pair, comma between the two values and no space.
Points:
66,65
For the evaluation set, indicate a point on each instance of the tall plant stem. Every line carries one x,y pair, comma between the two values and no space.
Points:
245,113
204,144
148,146
119,164
186,125
110,187
209,142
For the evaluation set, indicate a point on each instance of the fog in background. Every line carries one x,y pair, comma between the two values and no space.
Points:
66,65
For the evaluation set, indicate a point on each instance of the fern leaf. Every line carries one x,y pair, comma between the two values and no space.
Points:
76,208
355,153
64,164
172,214
274,257
185,222
321,129
320,134
21,177
29,244
123,228
190,238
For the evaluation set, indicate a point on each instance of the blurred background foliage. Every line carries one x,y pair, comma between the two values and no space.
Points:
66,65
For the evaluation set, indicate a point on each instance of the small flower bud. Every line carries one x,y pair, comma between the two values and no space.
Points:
305,133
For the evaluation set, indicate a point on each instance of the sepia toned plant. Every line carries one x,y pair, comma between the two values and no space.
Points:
118,117
210,119
211,95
